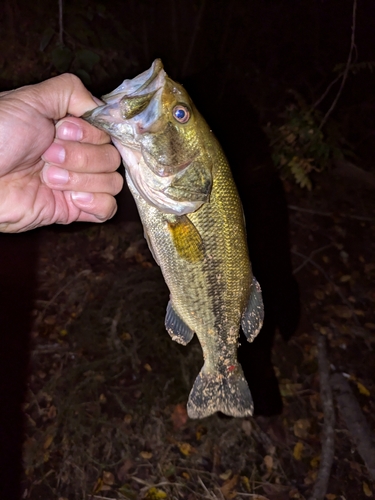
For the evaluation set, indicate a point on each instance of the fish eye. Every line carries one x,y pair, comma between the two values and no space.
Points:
181,113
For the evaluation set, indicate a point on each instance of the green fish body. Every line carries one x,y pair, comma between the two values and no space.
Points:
194,226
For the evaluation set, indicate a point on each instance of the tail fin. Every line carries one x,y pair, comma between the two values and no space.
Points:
213,392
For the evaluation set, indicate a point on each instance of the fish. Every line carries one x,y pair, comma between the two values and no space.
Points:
194,226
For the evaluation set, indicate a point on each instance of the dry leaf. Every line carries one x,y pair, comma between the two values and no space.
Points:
124,469
246,482
108,478
246,427
301,428
345,278
362,389
127,419
228,487
225,475
179,416
342,311
314,462
146,455
366,489
50,320
147,367
297,452
48,442
268,462
155,494
331,496
186,449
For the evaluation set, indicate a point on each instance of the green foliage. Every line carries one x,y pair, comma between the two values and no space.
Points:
299,146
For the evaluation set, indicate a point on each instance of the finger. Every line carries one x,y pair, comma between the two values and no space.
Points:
61,179
78,157
76,129
98,207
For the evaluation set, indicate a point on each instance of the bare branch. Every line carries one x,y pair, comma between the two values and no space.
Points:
328,433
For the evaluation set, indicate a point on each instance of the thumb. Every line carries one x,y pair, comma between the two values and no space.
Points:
61,95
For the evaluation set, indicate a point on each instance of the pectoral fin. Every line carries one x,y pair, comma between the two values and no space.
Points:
252,318
176,328
186,238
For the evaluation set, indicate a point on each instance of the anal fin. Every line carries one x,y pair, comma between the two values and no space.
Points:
252,318
176,328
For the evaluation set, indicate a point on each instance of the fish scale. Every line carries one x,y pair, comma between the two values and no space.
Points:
194,225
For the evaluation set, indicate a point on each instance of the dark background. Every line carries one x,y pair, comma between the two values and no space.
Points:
240,59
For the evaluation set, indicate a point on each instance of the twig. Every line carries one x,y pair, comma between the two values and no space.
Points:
314,252
346,72
61,27
328,433
355,421
85,272
330,214
336,288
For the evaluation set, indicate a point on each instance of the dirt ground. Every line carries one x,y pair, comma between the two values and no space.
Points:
106,401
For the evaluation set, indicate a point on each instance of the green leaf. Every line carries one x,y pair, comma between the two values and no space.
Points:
87,59
46,38
61,58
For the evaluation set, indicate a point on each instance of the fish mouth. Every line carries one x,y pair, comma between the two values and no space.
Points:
128,100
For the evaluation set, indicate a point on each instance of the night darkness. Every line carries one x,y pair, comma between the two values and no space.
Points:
243,63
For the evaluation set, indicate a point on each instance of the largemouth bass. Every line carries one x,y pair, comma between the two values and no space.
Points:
194,225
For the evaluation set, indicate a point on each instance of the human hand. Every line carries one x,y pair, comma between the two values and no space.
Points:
54,173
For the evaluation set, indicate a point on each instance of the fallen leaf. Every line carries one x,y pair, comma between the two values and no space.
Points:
366,489
362,389
370,326
128,418
225,475
124,469
342,311
186,449
147,367
345,277
314,462
108,478
228,487
331,496
246,427
146,455
50,320
179,416
246,482
155,494
268,462
297,452
48,442
301,428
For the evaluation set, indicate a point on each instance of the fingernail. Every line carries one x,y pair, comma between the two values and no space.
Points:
68,131
82,197
54,154
55,175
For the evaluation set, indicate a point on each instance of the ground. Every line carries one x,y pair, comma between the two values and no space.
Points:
106,406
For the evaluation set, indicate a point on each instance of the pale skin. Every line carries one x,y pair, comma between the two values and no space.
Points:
54,166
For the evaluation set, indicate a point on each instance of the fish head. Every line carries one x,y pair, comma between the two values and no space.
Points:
164,142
